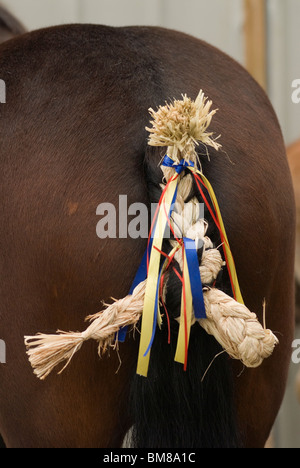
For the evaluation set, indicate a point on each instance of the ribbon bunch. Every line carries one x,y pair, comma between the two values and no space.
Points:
155,264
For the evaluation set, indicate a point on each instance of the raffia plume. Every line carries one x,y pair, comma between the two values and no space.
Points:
182,125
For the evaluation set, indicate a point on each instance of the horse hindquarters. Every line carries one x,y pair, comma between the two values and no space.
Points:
55,271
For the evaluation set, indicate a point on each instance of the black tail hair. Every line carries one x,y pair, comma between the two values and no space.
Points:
173,408
2,444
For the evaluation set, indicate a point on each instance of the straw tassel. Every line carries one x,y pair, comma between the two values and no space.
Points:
45,352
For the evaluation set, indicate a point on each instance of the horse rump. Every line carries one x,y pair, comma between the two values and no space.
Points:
62,153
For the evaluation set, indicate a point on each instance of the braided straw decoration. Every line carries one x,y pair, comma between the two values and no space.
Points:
47,351
231,323
180,126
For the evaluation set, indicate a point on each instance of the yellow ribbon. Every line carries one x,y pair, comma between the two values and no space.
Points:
229,256
186,315
153,277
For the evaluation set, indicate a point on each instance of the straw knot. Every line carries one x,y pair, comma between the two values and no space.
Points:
183,125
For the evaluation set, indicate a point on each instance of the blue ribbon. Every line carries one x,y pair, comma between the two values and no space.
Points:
179,167
140,276
195,278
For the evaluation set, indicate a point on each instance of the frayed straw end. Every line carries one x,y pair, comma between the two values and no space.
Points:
47,351
182,125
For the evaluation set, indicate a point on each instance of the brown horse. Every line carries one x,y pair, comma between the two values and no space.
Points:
73,136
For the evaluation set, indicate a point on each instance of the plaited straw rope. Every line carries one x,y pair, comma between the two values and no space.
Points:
47,351
180,126
236,329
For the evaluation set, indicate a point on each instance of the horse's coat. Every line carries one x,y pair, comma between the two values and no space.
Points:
9,28
73,134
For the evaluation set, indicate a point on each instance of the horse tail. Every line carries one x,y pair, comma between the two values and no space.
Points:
173,407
